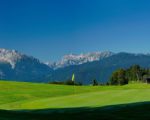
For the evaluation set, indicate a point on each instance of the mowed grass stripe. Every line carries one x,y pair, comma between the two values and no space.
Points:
95,99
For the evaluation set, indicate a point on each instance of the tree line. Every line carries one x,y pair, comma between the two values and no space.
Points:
94,82
124,76
67,82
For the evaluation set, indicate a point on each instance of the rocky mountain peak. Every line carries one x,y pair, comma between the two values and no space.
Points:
77,59
10,56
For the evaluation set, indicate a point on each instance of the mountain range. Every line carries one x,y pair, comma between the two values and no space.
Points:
20,67
75,59
86,67
101,70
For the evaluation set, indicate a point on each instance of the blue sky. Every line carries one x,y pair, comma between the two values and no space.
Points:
48,29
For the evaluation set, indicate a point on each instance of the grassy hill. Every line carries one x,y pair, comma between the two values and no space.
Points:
35,101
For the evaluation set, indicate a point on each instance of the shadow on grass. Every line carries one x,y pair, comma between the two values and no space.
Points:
134,111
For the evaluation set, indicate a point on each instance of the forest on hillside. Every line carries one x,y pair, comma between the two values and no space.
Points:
134,73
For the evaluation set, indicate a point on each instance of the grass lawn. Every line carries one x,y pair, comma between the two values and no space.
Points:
35,101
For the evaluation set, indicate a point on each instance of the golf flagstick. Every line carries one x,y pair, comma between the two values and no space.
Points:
73,80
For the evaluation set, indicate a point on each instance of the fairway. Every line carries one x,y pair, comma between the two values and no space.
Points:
15,95
32,96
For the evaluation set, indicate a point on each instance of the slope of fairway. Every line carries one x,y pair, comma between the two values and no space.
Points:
94,99
22,91
43,96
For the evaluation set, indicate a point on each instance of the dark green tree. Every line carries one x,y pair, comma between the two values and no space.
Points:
119,78
135,73
95,83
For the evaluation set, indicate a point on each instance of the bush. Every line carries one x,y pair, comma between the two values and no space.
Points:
69,82
57,82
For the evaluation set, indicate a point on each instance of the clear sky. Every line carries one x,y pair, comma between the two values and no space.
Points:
48,29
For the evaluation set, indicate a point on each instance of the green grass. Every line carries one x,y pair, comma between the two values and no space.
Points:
33,96
15,91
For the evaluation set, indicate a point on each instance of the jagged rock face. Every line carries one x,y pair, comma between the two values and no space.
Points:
20,67
74,59
10,56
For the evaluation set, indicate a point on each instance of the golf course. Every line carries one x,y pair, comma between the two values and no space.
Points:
34,101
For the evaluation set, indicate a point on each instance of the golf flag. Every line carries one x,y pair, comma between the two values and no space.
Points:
73,77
